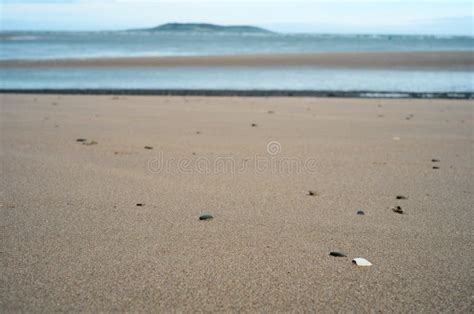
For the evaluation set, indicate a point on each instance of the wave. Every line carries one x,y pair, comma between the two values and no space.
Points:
18,37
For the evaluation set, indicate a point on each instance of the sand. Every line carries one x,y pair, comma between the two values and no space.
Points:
421,60
73,239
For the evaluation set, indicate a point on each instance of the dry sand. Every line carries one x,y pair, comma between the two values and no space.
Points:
454,60
73,239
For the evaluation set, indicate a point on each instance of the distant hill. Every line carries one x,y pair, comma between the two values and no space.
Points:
204,28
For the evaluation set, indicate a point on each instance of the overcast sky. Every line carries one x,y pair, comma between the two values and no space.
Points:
405,17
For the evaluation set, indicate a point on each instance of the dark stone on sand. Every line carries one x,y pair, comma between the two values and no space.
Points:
81,140
360,212
148,147
337,254
435,167
434,160
206,217
271,111
401,197
312,193
198,132
140,204
397,209
254,124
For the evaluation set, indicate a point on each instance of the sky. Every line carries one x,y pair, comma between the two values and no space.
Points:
449,17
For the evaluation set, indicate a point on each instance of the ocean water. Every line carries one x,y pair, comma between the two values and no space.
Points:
54,45
44,45
239,78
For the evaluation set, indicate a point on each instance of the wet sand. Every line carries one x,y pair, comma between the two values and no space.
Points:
441,60
74,239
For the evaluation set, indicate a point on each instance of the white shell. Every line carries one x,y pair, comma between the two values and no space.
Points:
361,261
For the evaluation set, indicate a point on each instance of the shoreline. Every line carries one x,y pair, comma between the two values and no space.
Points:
422,60
247,93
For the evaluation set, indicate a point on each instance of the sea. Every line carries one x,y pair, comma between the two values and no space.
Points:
61,45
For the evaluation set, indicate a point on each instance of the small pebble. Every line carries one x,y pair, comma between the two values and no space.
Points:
312,193
397,209
401,197
271,111
140,204
81,140
360,212
198,132
148,147
206,217
434,160
337,254
254,124
435,167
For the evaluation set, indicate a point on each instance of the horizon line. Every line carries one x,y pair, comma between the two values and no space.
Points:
269,29
98,30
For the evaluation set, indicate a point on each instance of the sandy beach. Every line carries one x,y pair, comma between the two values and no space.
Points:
428,60
99,225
